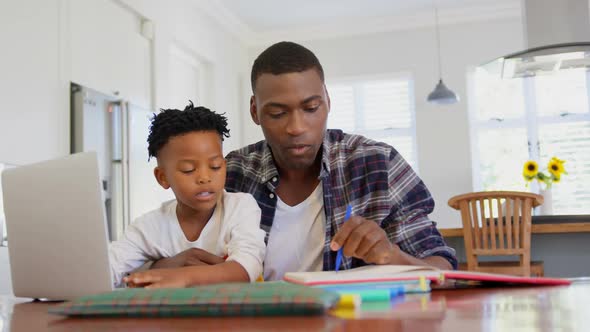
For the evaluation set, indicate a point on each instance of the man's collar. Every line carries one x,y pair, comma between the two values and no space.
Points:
268,168
325,150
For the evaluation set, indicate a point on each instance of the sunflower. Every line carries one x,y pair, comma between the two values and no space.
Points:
530,170
558,160
555,167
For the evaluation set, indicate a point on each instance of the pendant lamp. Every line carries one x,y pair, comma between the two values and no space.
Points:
441,95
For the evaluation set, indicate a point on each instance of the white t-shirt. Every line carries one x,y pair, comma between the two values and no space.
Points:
297,236
233,230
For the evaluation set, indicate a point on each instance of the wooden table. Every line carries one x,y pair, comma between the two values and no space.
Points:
543,225
564,308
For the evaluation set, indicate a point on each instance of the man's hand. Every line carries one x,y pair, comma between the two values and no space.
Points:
366,240
189,257
161,278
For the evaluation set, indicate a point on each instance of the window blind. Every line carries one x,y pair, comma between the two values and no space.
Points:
380,109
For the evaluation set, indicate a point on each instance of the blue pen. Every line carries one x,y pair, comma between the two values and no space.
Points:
339,254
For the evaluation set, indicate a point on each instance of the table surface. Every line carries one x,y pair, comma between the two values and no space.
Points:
563,308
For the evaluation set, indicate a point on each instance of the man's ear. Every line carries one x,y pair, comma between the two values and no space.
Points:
328,96
161,177
254,111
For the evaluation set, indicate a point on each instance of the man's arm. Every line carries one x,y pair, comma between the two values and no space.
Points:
416,235
406,235
405,259
366,240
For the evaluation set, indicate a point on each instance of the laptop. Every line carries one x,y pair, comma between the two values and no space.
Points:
58,238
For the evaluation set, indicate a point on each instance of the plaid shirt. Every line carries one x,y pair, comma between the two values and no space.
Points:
371,176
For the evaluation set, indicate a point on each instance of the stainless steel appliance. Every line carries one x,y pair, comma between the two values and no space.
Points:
117,130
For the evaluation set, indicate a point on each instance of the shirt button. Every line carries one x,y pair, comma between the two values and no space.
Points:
271,195
274,179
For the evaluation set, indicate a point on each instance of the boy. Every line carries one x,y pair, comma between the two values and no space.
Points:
214,236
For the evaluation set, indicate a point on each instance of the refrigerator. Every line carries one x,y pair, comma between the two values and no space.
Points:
117,129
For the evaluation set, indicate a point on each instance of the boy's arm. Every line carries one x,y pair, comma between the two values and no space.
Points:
128,254
189,276
245,249
246,244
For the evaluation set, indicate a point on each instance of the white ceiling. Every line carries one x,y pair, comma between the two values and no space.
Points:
263,15
256,21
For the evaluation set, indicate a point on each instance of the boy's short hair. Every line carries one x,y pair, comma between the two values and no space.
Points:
172,122
282,58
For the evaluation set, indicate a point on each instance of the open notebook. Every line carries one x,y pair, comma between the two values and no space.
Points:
386,273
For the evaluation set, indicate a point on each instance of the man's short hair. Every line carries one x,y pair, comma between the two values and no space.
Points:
282,58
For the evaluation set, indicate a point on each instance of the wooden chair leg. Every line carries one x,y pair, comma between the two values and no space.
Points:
525,263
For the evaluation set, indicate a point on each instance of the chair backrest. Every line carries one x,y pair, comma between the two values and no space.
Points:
497,223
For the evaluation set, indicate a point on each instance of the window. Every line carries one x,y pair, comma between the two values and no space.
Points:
532,118
380,108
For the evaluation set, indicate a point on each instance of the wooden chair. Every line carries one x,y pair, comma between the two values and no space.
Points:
498,223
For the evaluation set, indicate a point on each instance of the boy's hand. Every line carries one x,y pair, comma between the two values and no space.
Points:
161,278
189,276
189,257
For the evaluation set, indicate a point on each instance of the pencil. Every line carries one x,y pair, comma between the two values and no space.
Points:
339,253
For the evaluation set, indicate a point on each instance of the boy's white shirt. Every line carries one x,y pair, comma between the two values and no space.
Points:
233,230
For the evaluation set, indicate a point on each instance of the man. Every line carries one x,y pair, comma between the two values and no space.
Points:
304,177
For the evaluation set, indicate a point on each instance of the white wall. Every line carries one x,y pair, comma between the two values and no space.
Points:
34,119
442,131
179,23
104,49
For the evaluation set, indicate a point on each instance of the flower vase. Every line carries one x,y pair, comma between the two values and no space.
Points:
547,207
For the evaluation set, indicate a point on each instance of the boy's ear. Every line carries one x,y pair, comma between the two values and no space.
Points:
161,177
254,111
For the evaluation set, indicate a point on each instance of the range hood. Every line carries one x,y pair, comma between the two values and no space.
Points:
557,35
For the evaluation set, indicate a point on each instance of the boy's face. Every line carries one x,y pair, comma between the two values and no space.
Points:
194,167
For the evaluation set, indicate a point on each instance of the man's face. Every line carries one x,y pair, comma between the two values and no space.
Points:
292,110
